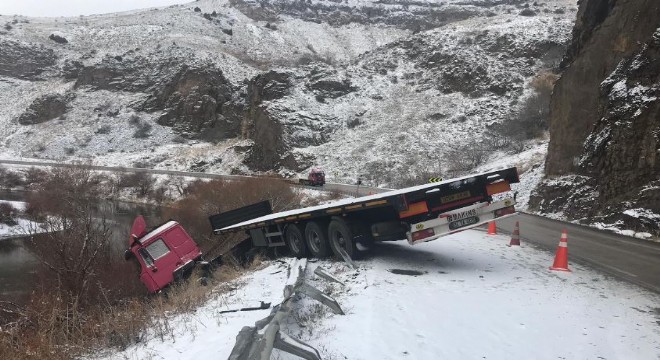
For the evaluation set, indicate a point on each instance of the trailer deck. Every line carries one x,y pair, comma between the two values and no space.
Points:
451,192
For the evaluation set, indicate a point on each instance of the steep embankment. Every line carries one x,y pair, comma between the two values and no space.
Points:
603,162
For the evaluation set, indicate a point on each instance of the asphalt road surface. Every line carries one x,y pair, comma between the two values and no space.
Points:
634,260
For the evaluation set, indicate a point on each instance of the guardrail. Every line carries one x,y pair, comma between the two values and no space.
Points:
257,342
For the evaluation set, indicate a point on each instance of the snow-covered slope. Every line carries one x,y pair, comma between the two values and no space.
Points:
473,298
375,89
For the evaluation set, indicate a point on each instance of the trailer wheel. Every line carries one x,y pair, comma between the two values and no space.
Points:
295,241
316,239
341,236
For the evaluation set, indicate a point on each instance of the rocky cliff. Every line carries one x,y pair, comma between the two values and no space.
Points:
381,90
603,162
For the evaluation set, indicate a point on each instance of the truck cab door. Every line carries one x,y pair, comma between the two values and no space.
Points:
160,263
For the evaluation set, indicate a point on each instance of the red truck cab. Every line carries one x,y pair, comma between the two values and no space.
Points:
316,177
163,255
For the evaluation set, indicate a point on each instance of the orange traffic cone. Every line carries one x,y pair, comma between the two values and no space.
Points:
561,257
492,229
515,237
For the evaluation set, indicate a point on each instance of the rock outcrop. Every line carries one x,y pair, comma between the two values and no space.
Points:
44,108
605,118
195,99
24,61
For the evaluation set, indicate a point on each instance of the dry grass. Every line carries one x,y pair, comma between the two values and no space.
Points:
52,329
209,198
109,309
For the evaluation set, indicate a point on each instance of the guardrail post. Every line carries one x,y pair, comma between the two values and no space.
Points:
257,342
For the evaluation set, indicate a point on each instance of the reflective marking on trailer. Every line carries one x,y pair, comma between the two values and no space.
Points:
353,207
304,216
454,197
372,203
291,218
331,211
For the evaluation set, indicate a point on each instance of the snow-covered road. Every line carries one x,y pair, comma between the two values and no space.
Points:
475,298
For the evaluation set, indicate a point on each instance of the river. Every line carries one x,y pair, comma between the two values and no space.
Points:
18,265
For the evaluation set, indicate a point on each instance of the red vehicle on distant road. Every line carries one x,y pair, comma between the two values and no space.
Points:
316,177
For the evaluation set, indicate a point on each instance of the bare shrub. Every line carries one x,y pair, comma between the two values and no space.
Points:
7,214
105,129
544,82
134,119
208,198
531,120
9,179
465,157
143,131
415,178
141,181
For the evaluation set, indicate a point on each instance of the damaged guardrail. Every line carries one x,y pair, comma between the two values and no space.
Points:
257,342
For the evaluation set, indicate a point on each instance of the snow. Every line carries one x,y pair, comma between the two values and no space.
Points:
398,105
206,333
475,298
23,227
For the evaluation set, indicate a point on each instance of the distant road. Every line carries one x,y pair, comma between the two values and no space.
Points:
634,260
353,190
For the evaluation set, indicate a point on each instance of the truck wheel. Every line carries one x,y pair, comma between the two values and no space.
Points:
295,241
317,242
341,236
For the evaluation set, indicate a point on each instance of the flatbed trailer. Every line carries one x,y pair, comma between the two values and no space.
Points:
346,227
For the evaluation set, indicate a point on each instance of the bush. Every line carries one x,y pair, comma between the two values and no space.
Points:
134,119
143,131
7,214
531,120
208,198
10,179
465,157
105,129
142,181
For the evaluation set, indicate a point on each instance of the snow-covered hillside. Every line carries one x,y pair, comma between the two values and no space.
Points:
465,296
362,88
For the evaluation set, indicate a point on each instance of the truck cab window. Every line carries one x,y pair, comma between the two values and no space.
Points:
148,260
157,249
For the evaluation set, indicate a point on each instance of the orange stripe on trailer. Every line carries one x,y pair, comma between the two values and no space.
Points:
332,211
498,187
304,216
291,218
414,209
353,207
279,220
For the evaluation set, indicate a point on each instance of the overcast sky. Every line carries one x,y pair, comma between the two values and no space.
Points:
77,7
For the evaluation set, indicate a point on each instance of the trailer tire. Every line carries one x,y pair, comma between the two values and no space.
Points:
295,241
340,234
316,239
